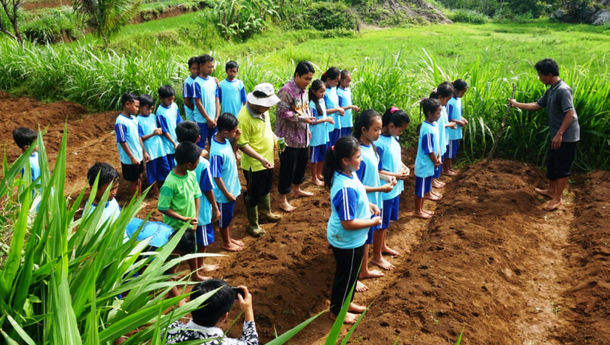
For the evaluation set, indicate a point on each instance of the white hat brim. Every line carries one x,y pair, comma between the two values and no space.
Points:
263,102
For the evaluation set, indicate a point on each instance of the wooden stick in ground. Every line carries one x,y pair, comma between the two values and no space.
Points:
501,130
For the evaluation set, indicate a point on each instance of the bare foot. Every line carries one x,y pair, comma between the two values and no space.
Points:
300,192
428,212
237,242
422,215
350,318
551,205
182,302
199,278
321,178
317,182
389,251
438,184
367,274
356,308
383,263
209,267
434,196
450,172
360,287
544,192
285,206
232,247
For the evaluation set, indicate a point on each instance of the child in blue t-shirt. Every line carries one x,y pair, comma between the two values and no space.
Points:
157,167
345,101
350,219
454,112
443,93
208,209
226,180
188,90
428,156
331,99
394,122
367,130
25,137
319,132
132,152
207,102
232,91
168,116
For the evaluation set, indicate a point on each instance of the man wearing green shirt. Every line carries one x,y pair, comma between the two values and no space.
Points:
257,141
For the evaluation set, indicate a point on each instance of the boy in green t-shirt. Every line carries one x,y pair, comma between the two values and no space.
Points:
179,202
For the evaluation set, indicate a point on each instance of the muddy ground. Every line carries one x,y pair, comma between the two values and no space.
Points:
490,262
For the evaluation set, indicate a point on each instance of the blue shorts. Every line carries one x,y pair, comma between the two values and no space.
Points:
226,213
206,134
423,186
437,171
171,161
369,238
317,153
205,235
346,131
157,170
452,149
334,136
389,211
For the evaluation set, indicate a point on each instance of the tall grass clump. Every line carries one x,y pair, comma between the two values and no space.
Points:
468,16
85,75
61,277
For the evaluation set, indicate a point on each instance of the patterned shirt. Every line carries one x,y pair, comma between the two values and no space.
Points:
294,102
179,332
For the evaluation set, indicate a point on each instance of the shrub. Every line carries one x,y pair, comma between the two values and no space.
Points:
468,16
53,26
240,19
330,16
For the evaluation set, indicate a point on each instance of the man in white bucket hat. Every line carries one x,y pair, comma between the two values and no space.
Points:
257,141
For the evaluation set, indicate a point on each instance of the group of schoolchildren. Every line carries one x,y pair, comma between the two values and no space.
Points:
359,160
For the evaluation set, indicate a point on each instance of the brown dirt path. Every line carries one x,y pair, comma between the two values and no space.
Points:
491,261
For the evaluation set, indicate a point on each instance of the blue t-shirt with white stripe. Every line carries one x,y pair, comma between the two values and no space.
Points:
207,90
442,131
454,112
154,145
369,172
127,131
224,165
427,143
232,96
319,132
345,99
34,166
390,153
206,184
168,119
348,202
332,102
188,91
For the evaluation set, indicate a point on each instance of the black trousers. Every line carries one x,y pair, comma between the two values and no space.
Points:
258,184
293,162
348,263
560,161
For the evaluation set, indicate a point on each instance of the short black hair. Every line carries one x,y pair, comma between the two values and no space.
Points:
166,91
547,66
146,101
24,137
193,60
106,171
187,152
226,122
204,58
187,131
214,307
128,97
303,68
231,64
